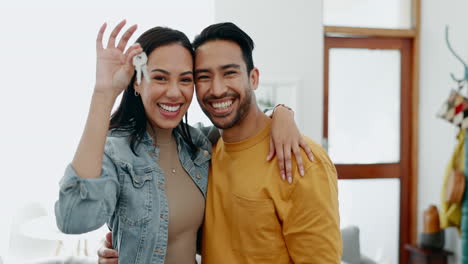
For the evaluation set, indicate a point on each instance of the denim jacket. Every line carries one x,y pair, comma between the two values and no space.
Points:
129,195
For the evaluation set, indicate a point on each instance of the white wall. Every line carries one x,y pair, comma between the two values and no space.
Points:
289,46
437,137
47,66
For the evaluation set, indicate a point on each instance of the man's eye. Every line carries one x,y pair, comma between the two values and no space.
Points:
230,73
202,77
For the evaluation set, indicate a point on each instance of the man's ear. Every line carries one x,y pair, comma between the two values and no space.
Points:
254,78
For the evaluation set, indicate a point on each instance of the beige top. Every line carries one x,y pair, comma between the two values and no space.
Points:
186,202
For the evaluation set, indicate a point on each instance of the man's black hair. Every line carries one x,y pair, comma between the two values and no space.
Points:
230,32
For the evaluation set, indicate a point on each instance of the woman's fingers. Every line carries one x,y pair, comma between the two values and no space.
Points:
112,38
279,156
297,154
124,40
271,153
115,32
288,162
99,37
306,148
134,50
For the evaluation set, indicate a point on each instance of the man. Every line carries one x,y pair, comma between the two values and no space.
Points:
250,217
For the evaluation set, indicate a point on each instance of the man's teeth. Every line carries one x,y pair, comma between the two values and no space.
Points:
222,104
169,108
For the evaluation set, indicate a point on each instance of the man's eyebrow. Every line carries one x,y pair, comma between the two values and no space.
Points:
223,67
197,71
160,70
232,65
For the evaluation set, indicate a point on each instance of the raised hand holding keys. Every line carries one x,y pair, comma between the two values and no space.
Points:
114,68
140,63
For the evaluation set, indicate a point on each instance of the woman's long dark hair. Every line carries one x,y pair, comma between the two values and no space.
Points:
130,115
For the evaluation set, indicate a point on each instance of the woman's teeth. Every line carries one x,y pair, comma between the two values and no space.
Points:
222,104
169,108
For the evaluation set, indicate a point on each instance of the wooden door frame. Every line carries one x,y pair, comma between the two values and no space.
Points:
404,169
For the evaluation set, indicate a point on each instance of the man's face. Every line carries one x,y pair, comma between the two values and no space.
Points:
223,85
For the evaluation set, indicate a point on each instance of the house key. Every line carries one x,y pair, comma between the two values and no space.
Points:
139,61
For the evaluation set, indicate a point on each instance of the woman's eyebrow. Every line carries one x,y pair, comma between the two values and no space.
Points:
187,72
160,70
168,73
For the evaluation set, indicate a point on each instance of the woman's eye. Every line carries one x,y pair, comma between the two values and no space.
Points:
160,78
187,80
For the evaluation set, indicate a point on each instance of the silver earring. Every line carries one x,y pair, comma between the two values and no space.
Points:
136,93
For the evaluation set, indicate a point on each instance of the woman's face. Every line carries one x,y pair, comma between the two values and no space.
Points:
167,96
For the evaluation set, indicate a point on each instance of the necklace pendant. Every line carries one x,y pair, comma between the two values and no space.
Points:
173,170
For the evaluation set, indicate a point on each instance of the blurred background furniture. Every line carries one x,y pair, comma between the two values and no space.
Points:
35,239
65,260
44,228
426,256
23,248
351,247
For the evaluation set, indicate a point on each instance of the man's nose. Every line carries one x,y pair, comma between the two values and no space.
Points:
218,87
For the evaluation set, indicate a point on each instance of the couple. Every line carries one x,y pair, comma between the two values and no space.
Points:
146,172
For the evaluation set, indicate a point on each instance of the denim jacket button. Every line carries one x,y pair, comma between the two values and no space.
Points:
205,152
198,176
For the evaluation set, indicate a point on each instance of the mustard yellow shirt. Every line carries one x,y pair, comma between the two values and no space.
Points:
253,216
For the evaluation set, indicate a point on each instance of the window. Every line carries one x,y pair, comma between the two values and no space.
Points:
368,13
370,123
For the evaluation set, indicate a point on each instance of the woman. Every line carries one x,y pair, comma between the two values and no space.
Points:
147,162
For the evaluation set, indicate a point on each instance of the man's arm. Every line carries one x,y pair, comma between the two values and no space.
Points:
311,225
285,141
